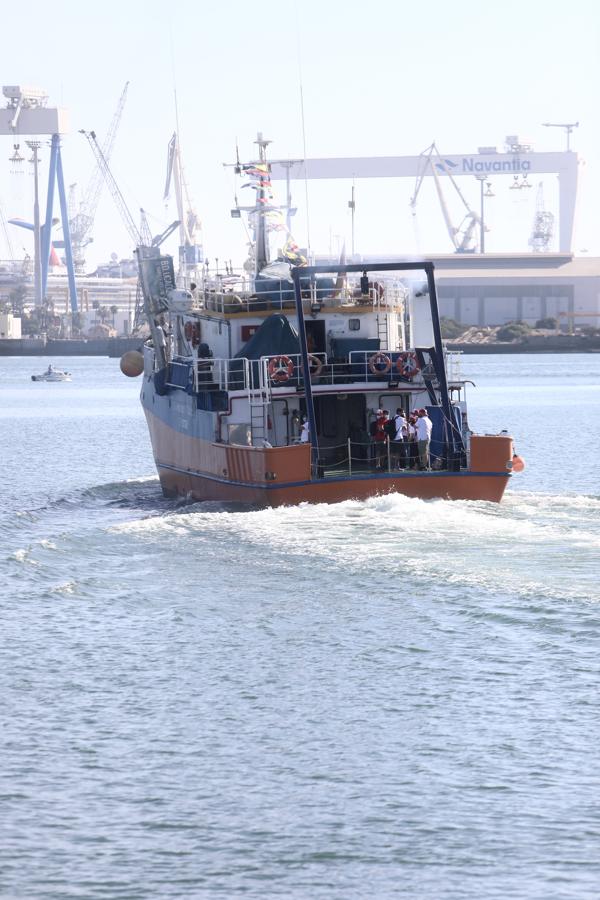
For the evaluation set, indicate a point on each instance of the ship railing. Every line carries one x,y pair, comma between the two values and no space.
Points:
219,374
231,294
286,370
453,365
361,456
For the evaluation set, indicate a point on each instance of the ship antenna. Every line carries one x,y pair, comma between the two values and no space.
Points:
303,139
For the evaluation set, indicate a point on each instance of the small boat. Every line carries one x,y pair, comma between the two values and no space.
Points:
52,374
271,387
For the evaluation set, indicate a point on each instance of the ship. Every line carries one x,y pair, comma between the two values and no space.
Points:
52,374
267,387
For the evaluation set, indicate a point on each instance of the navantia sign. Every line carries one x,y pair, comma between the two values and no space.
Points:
479,165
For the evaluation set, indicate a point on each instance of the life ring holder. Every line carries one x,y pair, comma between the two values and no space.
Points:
281,368
407,364
380,363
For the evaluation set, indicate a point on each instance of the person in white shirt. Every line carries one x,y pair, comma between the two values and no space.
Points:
305,432
423,426
399,440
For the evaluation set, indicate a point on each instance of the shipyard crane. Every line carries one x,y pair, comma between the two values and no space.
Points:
543,224
568,126
570,316
141,236
190,251
82,220
463,236
9,247
145,233
103,168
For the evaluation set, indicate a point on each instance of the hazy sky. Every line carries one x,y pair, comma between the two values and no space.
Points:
378,78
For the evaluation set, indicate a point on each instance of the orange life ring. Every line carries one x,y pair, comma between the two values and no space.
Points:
315,365
281,368
380,364
188,330
407,364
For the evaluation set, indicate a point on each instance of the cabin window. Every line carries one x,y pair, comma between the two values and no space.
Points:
240,434
248,331
354,324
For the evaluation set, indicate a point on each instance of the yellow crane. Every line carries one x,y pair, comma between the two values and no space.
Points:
575,315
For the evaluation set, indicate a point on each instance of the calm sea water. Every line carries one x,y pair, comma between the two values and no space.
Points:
385,699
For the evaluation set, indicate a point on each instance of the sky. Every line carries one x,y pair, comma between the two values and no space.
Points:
319,79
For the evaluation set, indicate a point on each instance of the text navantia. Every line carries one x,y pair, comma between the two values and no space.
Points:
471,164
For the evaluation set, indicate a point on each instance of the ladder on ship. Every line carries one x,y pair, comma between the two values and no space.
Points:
259,397
382,330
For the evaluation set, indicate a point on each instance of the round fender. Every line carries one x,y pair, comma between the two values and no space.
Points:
518,463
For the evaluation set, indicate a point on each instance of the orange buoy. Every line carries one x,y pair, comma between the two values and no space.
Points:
518,463
132,363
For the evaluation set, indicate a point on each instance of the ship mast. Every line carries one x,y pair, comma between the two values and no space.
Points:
261,245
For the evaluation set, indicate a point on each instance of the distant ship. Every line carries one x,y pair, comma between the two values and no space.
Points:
52,374
268,389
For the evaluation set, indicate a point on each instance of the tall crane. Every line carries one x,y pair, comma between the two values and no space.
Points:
190,246
141,236
82,220
543,224
568,126
463,236
3,224
107,175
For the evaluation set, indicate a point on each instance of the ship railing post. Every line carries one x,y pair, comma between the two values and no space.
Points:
389,456
349,457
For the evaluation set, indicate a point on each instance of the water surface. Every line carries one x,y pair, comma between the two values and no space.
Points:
385,698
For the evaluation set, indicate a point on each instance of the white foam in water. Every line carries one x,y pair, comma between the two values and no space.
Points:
23,556
494,547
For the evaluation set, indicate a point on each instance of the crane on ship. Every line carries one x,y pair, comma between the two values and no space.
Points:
463,236
81,219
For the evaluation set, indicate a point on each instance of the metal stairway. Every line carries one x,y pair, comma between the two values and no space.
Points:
382,330
259,397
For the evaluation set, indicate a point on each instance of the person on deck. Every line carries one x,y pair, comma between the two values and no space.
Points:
304,431
399,440
412,454
377,432
423,427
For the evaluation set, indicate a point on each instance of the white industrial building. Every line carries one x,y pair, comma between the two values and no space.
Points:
495,289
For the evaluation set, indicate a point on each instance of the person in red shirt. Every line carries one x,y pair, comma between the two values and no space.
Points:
378,436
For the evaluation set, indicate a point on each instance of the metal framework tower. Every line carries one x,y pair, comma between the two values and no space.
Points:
27,113
543,224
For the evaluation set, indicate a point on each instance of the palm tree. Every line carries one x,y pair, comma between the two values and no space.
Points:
114,310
